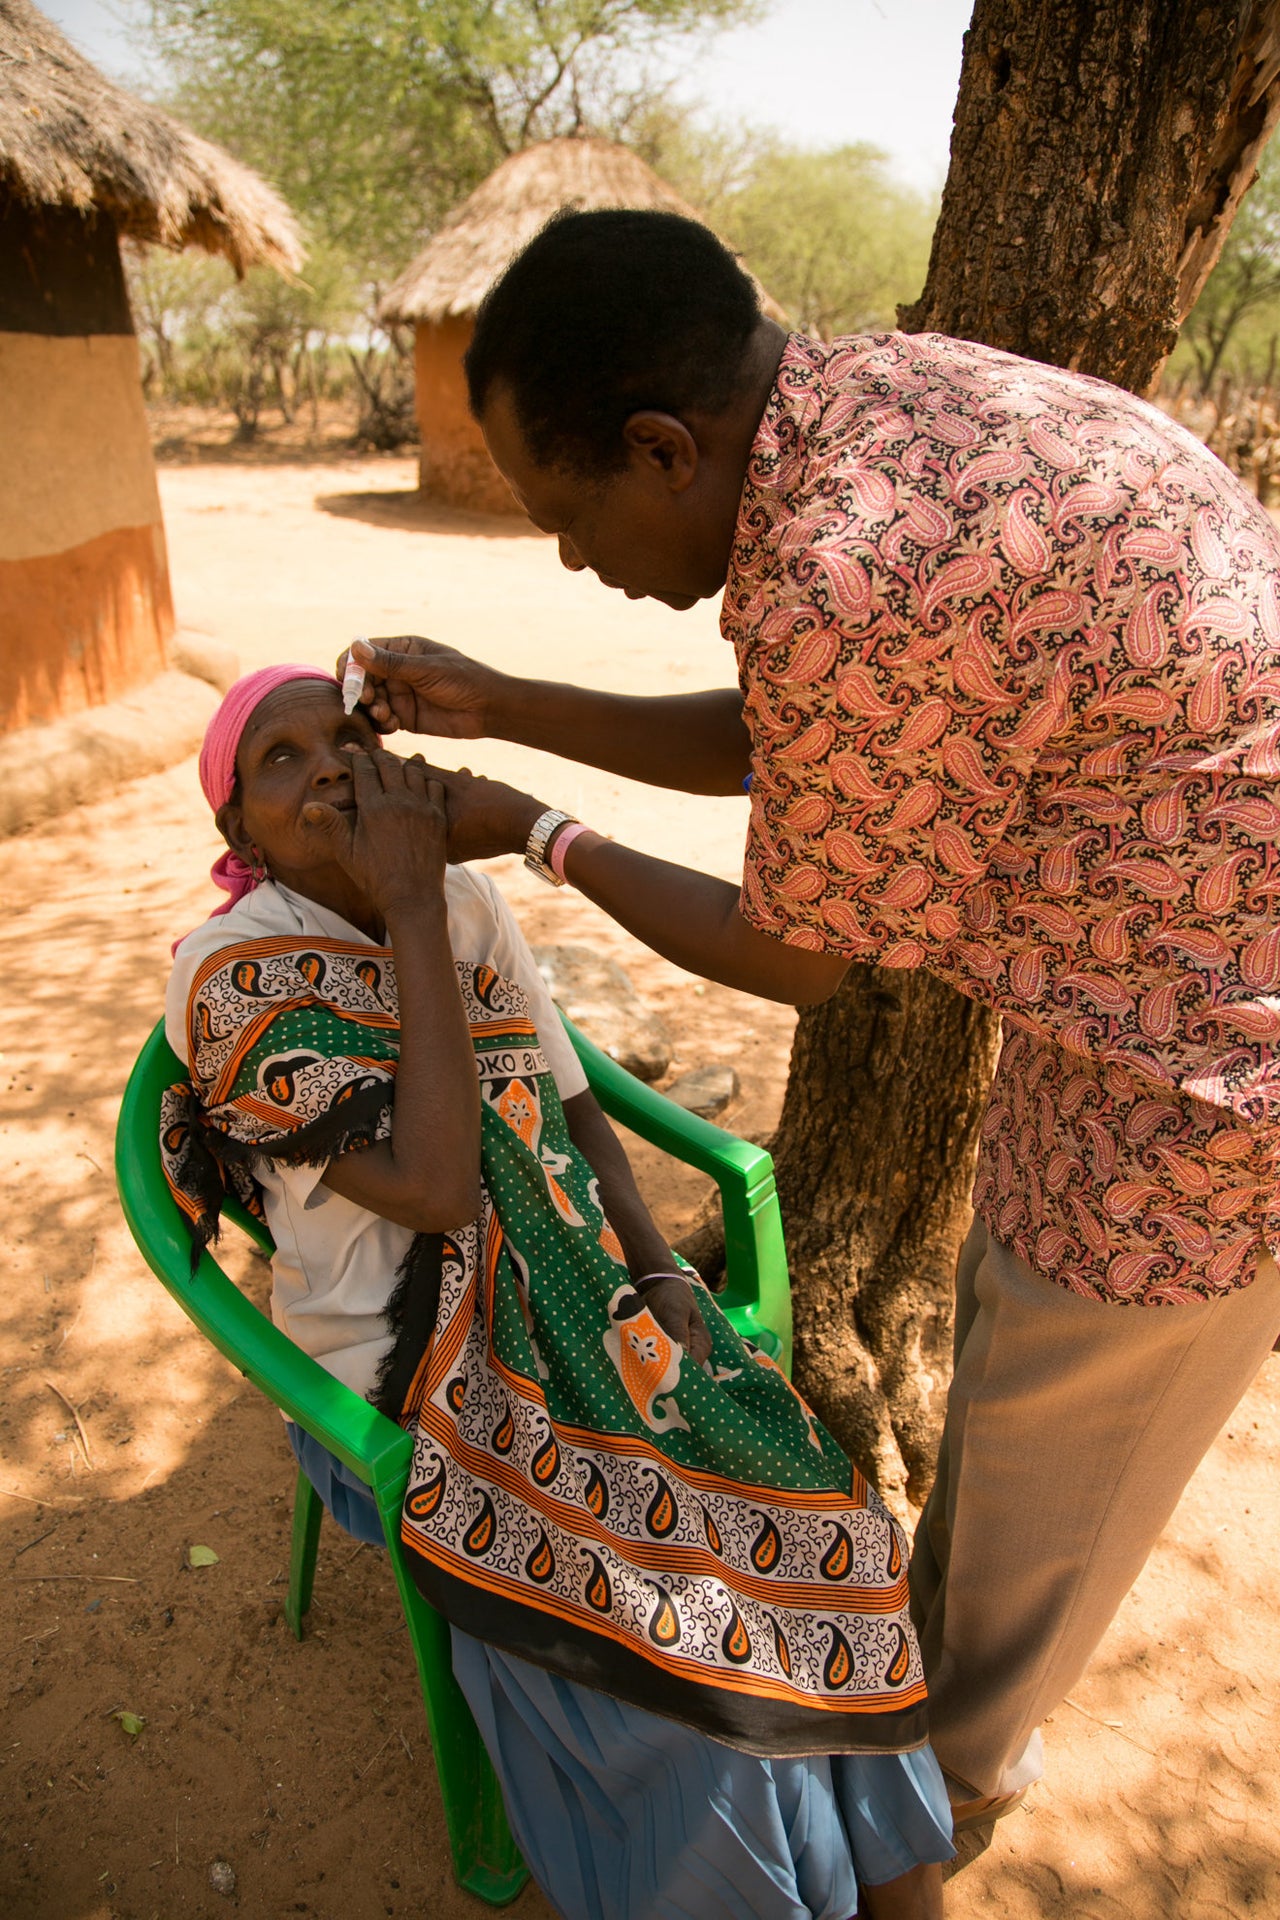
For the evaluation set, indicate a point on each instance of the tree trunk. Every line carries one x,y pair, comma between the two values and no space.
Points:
1099,155
1101,148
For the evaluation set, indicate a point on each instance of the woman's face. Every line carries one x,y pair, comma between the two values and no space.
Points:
296,748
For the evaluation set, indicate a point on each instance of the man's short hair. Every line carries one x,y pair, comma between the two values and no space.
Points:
604,314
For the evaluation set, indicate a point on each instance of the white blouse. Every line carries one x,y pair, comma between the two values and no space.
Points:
335,1263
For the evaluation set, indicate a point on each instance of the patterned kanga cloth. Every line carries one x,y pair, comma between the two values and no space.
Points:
687,1539
1009,641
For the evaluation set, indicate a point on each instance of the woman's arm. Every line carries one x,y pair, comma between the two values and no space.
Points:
427,1175
694,742
672,1303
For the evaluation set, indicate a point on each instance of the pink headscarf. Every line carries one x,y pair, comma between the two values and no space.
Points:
218,762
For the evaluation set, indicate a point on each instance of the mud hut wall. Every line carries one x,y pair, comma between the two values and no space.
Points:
453,462
85,605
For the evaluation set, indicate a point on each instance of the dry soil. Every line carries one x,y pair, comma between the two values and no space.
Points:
305,1767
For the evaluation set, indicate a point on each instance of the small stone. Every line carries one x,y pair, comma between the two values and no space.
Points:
597,996
705,1091
222,1877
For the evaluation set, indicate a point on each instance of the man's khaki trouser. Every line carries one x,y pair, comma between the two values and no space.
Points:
1072,1428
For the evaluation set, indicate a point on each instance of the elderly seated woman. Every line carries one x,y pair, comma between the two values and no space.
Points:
677,1612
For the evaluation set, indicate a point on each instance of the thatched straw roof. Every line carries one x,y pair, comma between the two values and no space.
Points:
457,266
71,137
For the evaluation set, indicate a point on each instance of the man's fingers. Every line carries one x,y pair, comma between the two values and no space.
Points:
449,778
383,661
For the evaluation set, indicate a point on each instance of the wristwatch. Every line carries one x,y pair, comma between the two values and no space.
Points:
535,852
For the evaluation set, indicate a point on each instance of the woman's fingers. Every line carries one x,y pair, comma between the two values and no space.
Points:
390,768
365,777
675,1308
699,1337
338,827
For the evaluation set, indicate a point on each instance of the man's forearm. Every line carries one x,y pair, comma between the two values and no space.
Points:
693,919
694,742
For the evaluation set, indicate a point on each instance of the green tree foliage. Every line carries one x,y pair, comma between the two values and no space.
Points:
831,235
375,116
1234,325
264,341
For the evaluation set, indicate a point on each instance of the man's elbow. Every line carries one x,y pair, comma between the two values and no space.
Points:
813,977
814,993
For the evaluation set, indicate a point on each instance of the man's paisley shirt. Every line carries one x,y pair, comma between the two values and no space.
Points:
1009,641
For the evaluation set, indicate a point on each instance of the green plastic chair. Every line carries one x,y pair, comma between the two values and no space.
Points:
757,1299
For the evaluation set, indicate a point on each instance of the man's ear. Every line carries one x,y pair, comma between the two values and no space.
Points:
229,820
663,446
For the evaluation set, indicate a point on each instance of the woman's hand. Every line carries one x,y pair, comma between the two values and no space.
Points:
424,687
672,1303
394,844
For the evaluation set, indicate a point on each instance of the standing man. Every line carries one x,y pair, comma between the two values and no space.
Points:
1008,705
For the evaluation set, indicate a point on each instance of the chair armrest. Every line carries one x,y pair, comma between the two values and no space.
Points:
758,1291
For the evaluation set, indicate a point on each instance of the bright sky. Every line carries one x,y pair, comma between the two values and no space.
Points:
821,71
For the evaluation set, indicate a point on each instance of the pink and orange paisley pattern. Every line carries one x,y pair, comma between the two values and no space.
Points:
1009,642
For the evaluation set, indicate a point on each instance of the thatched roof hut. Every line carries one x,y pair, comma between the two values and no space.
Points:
439,293
69,137
459,264
85,610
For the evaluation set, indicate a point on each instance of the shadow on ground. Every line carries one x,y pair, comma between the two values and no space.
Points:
408,511
290,1761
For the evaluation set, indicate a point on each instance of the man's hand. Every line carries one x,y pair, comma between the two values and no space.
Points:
486,817
673,1305
423,687
393,845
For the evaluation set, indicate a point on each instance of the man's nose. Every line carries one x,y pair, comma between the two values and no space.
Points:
569,555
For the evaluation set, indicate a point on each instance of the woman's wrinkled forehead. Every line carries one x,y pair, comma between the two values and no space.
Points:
306,712
308,704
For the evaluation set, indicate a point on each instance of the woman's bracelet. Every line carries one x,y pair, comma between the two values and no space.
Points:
649,1281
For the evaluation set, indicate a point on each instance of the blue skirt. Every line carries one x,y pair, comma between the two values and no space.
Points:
624,1815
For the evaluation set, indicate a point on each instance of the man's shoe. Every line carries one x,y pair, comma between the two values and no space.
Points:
982,1812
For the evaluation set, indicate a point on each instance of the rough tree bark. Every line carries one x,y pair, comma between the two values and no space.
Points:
1101,148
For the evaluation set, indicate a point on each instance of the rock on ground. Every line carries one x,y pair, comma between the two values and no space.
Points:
597,996
705,1091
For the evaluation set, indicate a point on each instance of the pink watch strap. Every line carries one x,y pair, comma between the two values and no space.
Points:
561,845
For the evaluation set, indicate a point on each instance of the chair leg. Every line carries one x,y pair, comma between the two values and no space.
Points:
486,1860
308,1511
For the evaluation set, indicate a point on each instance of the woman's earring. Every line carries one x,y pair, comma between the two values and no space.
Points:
257,866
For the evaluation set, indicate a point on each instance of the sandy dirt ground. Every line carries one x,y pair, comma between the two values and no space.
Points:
306,1767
